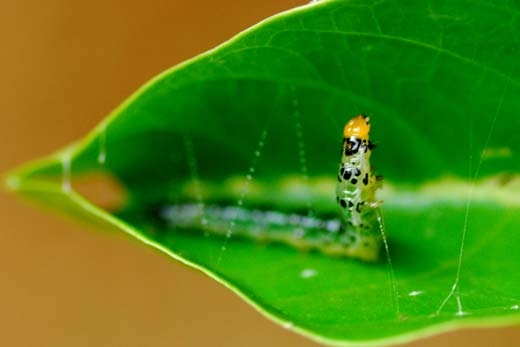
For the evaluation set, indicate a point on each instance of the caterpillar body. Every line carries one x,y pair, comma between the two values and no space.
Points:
355,233
356,192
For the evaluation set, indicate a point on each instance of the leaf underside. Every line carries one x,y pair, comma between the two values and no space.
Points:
257,122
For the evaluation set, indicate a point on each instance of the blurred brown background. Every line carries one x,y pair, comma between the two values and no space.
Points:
64,65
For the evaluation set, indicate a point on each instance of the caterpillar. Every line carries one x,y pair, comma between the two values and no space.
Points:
356,190
355,232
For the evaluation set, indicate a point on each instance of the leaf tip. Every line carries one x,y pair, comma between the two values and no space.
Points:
12,182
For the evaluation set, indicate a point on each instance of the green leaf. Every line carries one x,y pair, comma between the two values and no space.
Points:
256,125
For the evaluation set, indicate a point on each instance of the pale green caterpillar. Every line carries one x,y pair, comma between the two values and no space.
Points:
356,190
356,233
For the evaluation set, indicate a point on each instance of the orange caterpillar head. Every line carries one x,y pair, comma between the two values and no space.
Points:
358,126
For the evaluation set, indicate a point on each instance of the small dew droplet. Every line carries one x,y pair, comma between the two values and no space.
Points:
308,273
415,293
